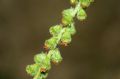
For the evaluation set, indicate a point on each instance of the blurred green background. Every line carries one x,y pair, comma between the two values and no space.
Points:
93,54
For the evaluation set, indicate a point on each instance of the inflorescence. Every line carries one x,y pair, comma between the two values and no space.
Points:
61,34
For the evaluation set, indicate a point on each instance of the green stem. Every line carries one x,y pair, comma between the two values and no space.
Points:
76,8
37,75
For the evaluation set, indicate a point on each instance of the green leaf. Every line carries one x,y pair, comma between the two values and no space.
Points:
81,14
51,43
56,56
32,69
68,15
55,30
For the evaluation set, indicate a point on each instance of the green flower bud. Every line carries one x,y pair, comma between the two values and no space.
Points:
43,60
55,30
73,1
56,56
85,3
32,69
39,58
66,37
71,29
81,14
67,16
51,43
46,64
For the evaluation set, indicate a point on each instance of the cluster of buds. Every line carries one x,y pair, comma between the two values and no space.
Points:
43,63
61,35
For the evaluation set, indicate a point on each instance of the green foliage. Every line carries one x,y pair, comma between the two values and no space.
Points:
61,35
